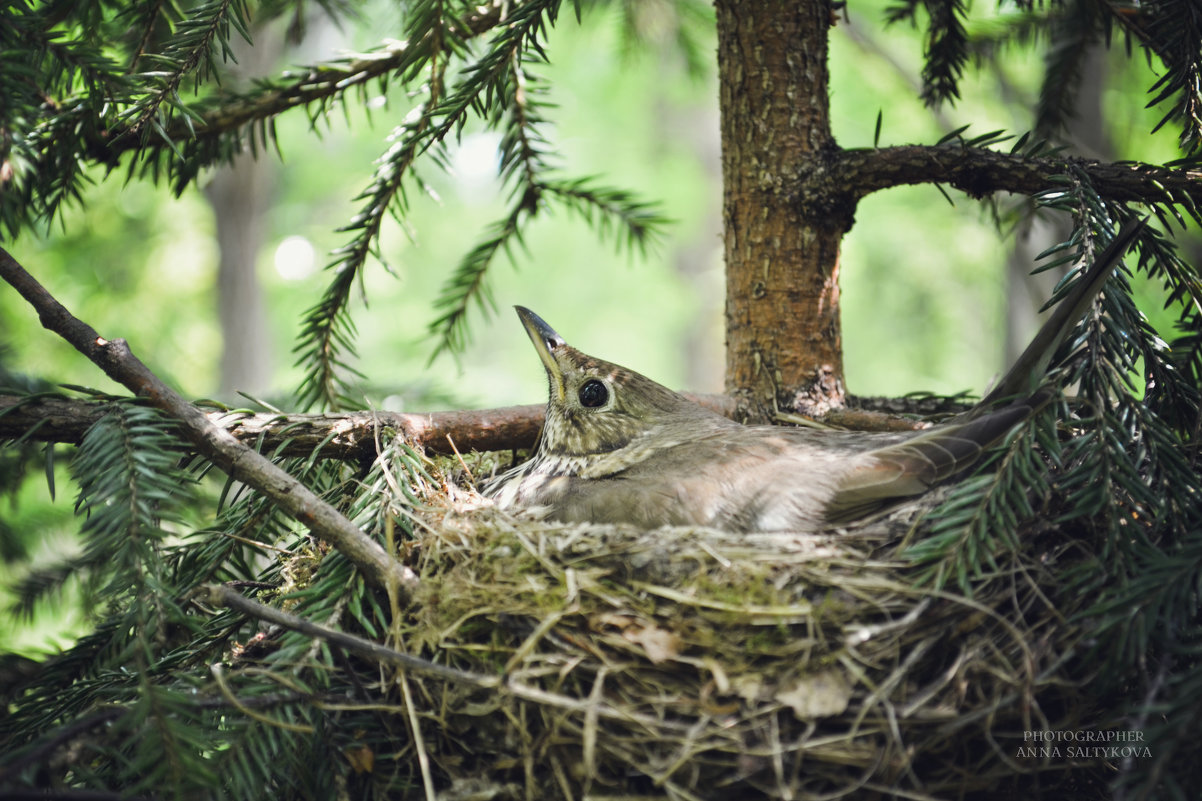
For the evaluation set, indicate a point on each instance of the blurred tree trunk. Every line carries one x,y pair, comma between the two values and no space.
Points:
240,195
783,336
1026,292
697,259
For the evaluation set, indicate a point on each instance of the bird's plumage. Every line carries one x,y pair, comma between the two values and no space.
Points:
617,447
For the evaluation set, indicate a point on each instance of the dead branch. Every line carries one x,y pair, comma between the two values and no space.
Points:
350,435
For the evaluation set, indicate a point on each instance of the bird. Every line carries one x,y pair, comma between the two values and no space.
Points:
618,447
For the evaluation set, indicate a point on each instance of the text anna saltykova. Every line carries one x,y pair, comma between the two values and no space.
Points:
1082,744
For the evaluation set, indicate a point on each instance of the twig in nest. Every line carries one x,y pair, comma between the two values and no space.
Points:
221,595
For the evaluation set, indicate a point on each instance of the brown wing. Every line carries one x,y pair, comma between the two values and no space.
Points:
740,479
768,478
914,465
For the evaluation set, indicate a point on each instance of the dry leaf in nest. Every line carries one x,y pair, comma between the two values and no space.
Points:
361,758
818,695
659,644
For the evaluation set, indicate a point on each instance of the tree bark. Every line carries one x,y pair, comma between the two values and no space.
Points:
790,194
783,337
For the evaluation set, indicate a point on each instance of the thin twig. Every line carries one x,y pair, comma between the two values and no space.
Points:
221,595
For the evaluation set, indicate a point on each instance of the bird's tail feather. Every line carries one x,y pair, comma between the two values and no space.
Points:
914,465
1029,369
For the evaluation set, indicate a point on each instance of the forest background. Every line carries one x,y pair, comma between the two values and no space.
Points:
927,285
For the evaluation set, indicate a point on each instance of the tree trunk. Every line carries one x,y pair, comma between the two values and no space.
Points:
240,194
1026,292
783,337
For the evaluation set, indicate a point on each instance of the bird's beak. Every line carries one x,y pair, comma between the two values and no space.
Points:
545,342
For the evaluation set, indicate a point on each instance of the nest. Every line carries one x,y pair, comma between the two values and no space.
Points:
690,663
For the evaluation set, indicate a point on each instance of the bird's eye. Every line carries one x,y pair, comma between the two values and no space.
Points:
593,393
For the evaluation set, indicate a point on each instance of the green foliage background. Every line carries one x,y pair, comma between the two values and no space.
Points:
922,280
922,284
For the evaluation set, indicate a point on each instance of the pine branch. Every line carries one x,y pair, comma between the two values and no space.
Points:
220,595
328,333
223,596
188,52
344,436
41,159
511,102
130,484
1173,33
945,44
1169,30
984,515
57,137
1073,34
146,15
1145,543
241,462
946,51
632,224
227,112
490,80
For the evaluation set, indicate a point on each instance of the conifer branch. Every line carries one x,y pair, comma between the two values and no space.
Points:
978,171
946,50
302,87
221,595
190,51
468,282
240,461
328,332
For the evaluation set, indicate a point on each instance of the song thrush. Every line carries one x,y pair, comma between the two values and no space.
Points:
618,447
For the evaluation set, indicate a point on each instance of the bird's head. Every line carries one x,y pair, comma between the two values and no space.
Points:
596,407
